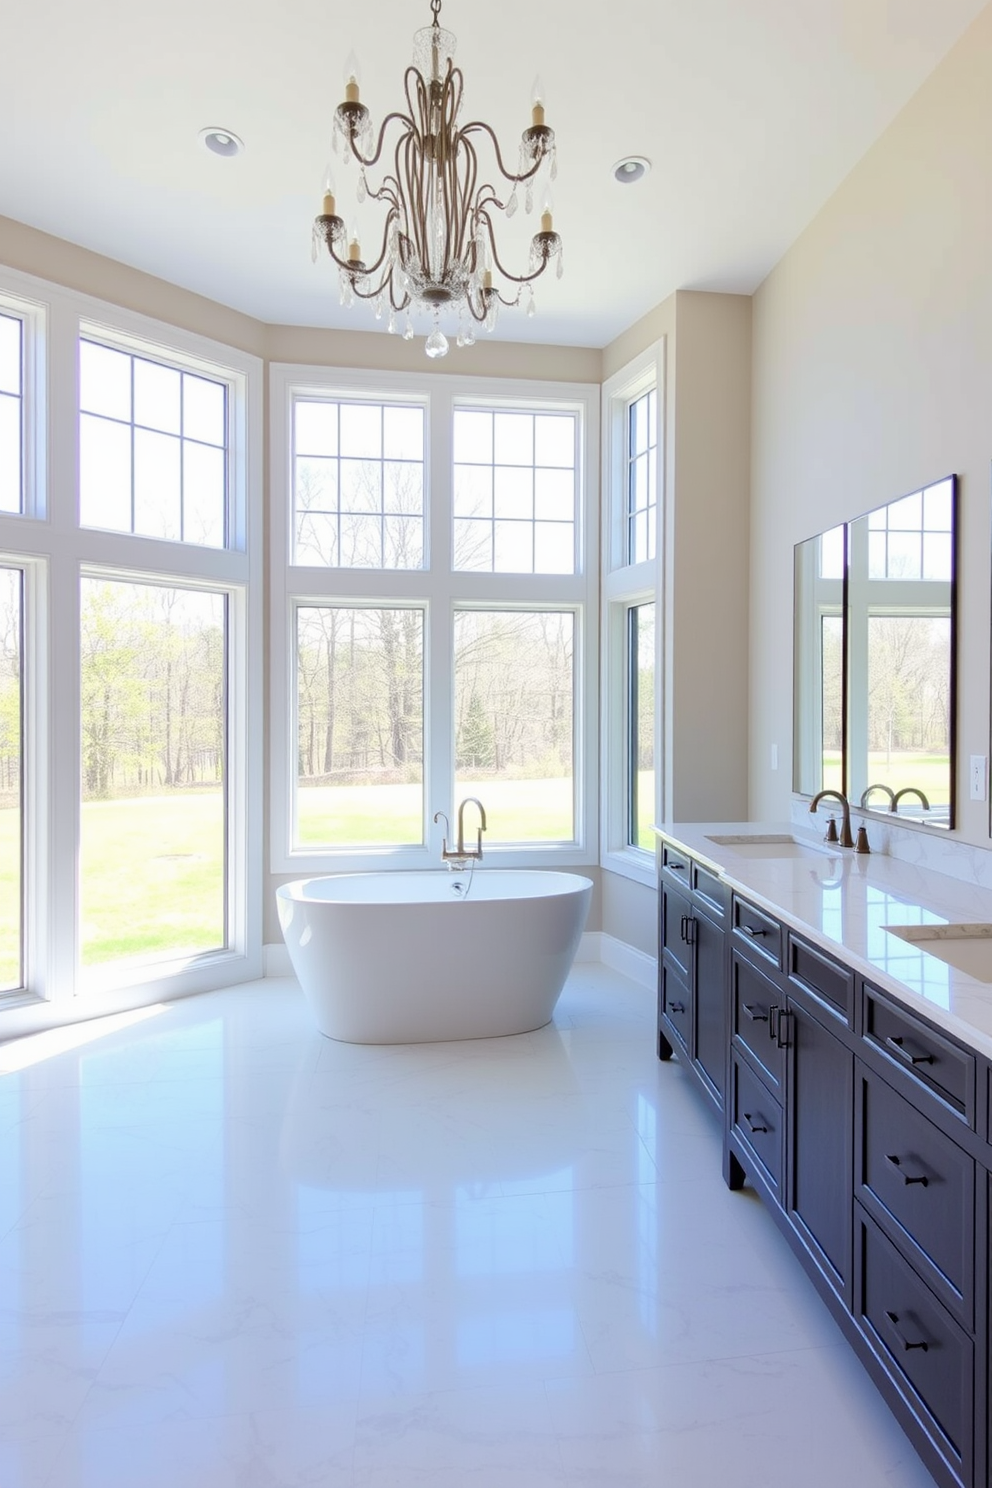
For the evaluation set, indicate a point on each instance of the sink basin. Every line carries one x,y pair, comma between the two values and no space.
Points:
967,948
772,845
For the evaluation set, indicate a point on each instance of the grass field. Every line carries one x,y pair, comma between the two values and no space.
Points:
516,811
928,772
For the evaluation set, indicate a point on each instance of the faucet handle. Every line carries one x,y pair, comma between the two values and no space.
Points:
830,835
861,845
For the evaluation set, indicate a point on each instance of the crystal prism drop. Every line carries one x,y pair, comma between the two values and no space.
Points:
531,306
391,324
529,198
469,337
561,267
436,344
511,205
408,328
360,191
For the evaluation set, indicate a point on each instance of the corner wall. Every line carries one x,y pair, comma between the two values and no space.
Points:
872,376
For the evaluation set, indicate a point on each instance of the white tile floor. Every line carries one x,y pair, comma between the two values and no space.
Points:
234,1254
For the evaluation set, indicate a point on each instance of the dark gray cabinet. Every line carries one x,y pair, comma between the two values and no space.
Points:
692,973
868,1132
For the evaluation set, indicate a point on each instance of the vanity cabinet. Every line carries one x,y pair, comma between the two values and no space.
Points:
868,1131
792,1063
692,975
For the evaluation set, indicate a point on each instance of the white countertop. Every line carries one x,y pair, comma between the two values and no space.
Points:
842,901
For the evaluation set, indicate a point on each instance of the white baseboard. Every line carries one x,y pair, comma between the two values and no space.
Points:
275,959
637,965
594,946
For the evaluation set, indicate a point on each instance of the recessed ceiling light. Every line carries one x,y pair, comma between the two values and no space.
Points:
222,142
632,168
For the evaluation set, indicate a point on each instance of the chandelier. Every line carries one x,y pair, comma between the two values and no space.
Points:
438,250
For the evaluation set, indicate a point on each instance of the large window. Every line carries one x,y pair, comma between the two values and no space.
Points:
360,726
514,688
130,660
153,670
432,579
631,795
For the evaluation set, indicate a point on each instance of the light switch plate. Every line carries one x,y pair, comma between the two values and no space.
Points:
978,776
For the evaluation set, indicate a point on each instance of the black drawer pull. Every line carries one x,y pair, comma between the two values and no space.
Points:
907,1178
893,1318
682,934
753,1013
778,1027
750,930
896,1043
754,1126
677,867
676,1007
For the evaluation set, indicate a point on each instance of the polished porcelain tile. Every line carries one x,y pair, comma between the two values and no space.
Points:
235,1254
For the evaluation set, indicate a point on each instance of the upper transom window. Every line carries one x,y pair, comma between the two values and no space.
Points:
152,448
514,491
358,484
11,414
642,496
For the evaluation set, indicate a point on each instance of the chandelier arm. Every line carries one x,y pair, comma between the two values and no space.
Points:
514,278
366,161
516,177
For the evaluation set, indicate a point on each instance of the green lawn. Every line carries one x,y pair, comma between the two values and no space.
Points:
516,811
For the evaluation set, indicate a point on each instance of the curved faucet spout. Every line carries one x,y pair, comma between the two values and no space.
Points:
887,789
909,790
471,801
846,840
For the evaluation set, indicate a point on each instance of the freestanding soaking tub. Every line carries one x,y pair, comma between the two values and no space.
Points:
397,958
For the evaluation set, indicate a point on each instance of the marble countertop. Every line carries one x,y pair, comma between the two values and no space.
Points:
842,901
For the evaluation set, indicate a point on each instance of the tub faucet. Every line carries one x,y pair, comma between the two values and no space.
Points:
846,840
460,854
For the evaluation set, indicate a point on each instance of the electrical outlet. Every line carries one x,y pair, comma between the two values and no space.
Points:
978,776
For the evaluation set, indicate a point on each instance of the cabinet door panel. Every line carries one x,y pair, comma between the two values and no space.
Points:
756,1004
710,997
676,913
820,1135
756,1119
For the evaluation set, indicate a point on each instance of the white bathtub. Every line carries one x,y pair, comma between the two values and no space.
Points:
397,958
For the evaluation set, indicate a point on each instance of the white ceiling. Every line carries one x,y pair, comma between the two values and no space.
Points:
752,112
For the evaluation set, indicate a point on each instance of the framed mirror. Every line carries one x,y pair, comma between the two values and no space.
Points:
875,671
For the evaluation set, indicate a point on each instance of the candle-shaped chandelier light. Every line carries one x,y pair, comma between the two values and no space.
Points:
438,250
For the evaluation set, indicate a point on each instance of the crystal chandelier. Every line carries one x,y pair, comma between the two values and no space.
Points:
438,250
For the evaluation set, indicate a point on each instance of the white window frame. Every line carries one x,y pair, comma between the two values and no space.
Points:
624,586
55,551
443,590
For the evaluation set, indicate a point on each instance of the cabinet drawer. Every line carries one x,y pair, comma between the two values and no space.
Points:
675,1003
757,930
712,891
822,977
923,1182
676,862
756,1002
757,1120
923,1053
928,1355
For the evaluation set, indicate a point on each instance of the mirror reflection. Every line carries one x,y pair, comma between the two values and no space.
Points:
874,654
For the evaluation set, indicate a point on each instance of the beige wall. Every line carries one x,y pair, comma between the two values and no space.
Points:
705,571
872,376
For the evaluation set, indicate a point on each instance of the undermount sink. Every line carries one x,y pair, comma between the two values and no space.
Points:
772,845
967,948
